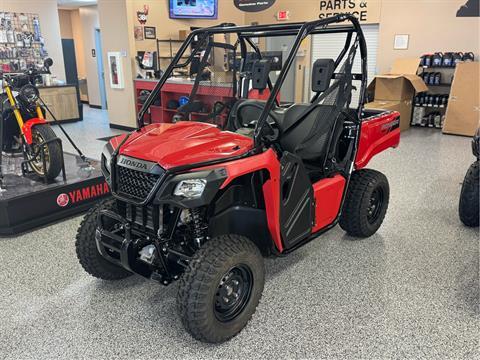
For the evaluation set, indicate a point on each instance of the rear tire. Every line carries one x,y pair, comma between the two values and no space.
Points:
221,288
41,133
468,208
88,256
365,204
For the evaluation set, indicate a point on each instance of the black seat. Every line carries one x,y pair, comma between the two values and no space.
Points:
323,117
309,130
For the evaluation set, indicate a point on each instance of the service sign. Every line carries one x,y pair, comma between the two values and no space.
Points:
368,12
253,5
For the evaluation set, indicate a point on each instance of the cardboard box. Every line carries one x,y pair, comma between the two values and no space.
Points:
404,107
400,84
463,109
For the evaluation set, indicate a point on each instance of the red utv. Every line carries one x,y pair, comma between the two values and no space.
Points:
201,205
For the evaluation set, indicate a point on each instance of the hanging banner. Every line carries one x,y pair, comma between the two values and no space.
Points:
368,12
253,5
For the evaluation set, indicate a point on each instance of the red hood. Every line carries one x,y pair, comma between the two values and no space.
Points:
183,143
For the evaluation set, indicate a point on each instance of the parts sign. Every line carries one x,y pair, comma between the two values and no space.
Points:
366,11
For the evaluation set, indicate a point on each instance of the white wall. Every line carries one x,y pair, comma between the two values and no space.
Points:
49,26
117,35
89,21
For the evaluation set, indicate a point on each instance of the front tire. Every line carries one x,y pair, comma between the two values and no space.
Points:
53,152
365,204
221,288
468,208
87,253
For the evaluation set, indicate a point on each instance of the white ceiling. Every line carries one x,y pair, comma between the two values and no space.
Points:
73,4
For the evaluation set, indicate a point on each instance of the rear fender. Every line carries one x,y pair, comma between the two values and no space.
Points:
377,134
28,126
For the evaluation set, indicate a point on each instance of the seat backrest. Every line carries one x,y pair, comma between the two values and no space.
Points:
310,130
294,135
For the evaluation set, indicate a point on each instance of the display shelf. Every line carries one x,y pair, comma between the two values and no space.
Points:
440,85
208,93
426,126
437,67
170,41
431,106
171,57
426,112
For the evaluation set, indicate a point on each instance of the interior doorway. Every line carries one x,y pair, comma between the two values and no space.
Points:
70,62
100,69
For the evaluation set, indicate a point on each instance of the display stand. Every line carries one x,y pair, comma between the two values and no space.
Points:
432,109
27,202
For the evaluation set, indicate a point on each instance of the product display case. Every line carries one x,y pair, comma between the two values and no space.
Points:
161,112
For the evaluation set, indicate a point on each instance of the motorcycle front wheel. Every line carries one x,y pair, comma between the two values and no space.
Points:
42,134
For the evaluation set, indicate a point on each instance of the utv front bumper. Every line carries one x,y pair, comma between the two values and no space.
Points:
121,245
115,245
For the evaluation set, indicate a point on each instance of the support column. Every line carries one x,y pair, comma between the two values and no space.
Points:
116,29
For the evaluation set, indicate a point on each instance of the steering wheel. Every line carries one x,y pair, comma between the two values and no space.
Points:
275,130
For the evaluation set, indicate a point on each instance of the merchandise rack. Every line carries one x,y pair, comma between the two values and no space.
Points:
173,46
173,90
434,89
27,46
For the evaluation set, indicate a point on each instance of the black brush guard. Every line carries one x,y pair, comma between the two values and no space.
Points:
121,245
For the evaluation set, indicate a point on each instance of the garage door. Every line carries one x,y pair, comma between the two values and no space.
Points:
330,45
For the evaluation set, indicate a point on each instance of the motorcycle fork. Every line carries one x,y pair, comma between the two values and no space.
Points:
39,112
18,114
15,108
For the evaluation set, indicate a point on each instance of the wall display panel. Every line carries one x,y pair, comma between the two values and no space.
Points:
21,41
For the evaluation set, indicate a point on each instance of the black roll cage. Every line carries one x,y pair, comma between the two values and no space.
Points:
245,33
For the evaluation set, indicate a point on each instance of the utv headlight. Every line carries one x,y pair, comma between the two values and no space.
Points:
190,188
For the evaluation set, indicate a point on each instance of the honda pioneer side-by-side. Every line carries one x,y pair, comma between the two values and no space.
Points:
204,198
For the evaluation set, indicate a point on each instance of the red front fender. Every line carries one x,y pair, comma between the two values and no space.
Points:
27,128
271,189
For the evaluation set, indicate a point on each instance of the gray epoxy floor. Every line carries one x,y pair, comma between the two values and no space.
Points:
409,291
86,132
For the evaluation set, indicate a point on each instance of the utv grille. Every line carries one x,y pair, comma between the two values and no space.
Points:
145,216
135,184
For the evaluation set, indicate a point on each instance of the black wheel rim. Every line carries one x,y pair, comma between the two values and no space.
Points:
233,293
375,205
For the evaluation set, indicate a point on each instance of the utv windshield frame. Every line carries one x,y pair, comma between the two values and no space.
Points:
245,35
